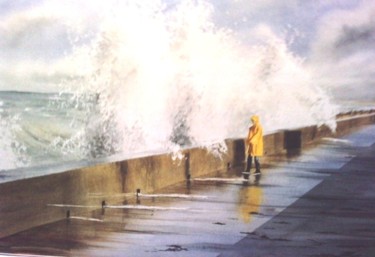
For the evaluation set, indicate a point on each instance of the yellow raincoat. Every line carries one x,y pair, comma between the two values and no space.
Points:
255,138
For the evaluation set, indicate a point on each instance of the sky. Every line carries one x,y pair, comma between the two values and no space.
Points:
334,38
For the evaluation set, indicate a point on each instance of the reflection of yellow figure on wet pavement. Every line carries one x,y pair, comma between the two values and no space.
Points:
250,201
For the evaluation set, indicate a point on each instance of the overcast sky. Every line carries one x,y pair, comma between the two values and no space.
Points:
335,37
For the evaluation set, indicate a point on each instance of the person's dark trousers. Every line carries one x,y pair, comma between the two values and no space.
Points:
250,163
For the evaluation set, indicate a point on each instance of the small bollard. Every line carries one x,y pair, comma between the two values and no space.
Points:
68,214
229,165
103,204
188,180
138,192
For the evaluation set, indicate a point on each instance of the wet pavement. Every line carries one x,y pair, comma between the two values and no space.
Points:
317,203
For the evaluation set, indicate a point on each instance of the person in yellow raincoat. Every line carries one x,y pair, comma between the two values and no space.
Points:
254,143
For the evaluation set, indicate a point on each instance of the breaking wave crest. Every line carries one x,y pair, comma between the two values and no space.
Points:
157,77
167,77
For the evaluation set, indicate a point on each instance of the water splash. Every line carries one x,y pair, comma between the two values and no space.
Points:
167,76
153,76
11,150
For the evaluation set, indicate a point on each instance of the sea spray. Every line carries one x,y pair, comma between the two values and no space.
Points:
12,149
160,77
167,77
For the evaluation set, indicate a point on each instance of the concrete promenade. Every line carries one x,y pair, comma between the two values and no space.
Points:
27,195
316,203
335,218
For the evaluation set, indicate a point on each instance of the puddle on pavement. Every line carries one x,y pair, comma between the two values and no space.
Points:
219,210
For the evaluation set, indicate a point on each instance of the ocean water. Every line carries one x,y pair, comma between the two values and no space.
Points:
48,129
37,129
174,80
40,129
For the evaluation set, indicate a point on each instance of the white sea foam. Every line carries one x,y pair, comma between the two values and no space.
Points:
146,207
152,76
85,218
74,206
337,140
167,77
223,180
12,150
26,255
182,196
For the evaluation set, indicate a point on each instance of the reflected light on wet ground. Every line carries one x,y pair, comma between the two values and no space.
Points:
200,218
250,200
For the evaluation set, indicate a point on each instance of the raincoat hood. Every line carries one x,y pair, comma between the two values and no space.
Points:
255,119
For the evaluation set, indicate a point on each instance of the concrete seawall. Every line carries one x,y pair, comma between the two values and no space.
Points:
28,203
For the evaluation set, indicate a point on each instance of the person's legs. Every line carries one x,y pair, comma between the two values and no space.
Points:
248,163
257,164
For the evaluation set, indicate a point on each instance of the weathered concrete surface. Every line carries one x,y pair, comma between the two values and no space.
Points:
336,218
24,203
319,203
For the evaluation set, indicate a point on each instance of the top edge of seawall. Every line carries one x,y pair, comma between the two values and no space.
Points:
39,171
